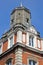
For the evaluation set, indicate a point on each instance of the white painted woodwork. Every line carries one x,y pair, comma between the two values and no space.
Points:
9,40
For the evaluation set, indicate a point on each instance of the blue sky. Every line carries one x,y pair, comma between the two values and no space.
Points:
35,6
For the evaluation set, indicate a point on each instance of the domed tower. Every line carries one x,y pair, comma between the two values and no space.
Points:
21,44
20,18
20,22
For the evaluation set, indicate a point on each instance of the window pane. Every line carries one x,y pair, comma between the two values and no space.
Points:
11,41
31,62
31,41
9,62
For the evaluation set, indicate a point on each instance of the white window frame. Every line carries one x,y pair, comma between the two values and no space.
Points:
31,41
1,47
9,40
34,59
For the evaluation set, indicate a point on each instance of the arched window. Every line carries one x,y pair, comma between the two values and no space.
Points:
32,62
31,41
9,62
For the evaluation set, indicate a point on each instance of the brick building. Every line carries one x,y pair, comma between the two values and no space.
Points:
21,44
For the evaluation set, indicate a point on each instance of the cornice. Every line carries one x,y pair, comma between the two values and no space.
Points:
20,8
17,45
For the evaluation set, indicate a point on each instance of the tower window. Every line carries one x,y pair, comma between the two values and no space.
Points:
19,13
12,21
27,19
31,41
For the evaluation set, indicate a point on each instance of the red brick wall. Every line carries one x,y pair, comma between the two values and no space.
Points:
27,55
5,58
5,46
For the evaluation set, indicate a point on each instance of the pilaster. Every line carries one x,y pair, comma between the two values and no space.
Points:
27,38
18,56
19,36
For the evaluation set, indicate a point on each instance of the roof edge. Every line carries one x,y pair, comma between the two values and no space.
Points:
22,46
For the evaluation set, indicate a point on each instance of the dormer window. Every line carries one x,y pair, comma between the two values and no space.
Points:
10,41
31,41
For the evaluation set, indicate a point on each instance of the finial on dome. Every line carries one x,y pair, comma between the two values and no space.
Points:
21,4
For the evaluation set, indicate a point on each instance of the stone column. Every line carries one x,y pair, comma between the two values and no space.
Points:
18,56
27,39
35,41
19,36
